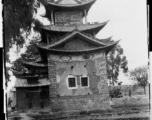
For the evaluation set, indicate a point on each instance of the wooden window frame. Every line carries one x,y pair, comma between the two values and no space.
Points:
75,82
87,80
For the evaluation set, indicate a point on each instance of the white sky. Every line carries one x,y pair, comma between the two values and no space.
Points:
128,22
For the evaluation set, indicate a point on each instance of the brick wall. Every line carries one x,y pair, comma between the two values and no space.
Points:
66,18
52,78
81,103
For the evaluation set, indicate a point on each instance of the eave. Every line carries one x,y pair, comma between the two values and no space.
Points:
24,74
106,40
71,52
22,83
76,33
56,7
34,64
90,28
85,37
17,73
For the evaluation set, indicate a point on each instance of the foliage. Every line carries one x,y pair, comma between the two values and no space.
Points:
18,18
115,61
30,55
119,83
18,15
141,76
135,86
31,52
115,92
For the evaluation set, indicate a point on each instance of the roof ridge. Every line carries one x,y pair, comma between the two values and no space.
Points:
71,5
90,36
78,1
58,1
106,39
62,39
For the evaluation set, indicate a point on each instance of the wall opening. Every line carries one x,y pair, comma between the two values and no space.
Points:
72,82
84,81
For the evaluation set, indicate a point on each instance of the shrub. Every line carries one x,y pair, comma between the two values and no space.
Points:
115,92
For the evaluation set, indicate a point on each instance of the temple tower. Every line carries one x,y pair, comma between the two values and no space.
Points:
72,59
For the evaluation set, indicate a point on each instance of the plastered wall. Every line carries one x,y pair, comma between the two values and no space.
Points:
68,17
94,67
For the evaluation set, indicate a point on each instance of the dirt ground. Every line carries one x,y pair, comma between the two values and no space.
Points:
125,108
133,100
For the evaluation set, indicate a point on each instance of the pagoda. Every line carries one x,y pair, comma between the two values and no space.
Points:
71,73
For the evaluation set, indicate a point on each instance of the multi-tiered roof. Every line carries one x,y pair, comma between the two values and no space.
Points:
57,34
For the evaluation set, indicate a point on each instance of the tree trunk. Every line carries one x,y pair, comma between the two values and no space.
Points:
144,89
113,82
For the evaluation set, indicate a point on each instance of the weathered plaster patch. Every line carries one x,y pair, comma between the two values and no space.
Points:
99,55
74,90
83,91
100,64
61,71
77,58
79,69
65,58
54,57
58,78
90,104
93,78
63,89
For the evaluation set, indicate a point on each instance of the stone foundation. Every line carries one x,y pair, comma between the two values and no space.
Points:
80,103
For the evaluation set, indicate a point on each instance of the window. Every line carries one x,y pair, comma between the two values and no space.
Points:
84,82
32,80
72,82
44,93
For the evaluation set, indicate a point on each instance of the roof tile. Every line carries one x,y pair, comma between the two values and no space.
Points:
24,83
69,28
69,3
